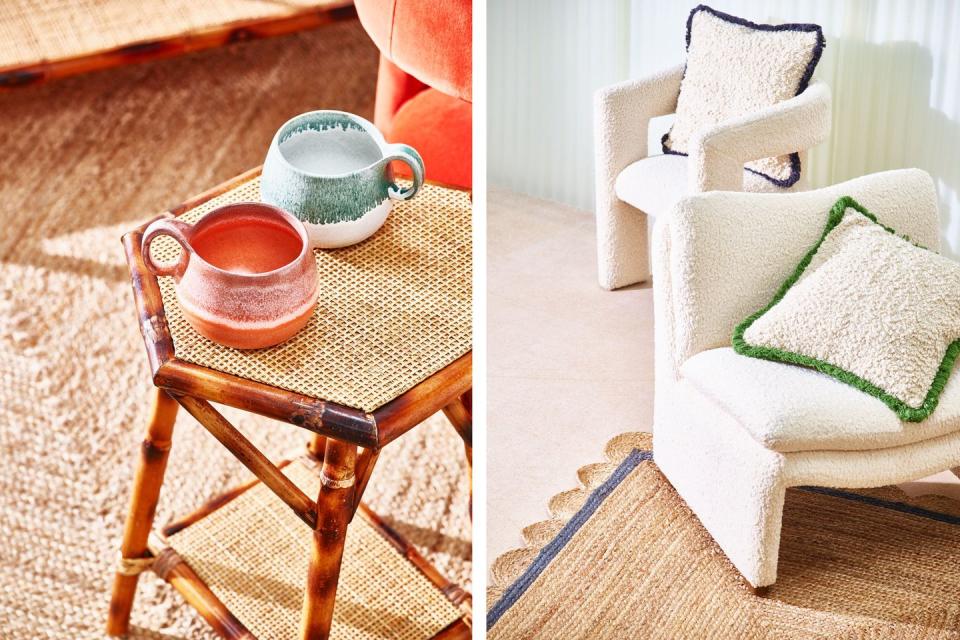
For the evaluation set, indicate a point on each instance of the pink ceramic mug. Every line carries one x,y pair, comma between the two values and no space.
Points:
246,277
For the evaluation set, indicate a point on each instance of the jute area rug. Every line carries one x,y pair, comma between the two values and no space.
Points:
85,159
623,557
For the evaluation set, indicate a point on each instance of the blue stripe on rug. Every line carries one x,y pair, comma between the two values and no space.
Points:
550,551
885,504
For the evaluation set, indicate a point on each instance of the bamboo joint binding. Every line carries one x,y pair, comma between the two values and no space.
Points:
132,566
332,483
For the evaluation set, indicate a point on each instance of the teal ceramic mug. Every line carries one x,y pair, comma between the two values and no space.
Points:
331,169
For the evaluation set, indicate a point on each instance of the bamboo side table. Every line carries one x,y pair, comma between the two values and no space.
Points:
408,288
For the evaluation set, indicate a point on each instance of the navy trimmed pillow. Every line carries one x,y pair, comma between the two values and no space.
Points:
736,67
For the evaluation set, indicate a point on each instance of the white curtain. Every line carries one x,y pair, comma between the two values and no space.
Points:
893,66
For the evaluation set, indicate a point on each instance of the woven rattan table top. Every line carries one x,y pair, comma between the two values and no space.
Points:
393,310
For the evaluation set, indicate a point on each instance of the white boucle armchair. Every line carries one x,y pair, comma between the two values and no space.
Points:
630,185
731,433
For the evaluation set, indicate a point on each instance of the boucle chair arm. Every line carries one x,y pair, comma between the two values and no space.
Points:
622,113
621,117
718,153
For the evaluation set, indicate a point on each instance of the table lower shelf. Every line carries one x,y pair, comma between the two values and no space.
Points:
241,561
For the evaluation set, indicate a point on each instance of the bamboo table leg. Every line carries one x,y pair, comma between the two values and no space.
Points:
316,446
363,468
366,461
460,414
143,504
334,509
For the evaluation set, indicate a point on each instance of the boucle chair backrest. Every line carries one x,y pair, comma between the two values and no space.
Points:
729,252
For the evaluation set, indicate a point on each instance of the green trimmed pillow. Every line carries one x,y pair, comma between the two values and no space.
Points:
868,308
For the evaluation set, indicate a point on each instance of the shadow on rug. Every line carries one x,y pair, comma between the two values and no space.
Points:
623,556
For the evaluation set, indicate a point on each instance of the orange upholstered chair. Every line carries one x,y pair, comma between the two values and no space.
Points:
424,88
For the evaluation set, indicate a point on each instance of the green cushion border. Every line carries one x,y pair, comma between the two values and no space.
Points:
903,410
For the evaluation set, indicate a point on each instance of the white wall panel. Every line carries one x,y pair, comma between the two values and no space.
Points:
545,59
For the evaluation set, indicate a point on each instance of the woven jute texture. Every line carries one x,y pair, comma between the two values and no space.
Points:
642,566
392,310
253,554
32,31
85,160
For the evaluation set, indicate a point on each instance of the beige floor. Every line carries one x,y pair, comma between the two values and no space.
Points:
570,365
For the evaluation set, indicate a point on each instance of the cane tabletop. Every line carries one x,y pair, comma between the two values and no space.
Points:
393,310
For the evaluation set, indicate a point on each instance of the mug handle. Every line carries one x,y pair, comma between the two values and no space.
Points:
179,231
409,156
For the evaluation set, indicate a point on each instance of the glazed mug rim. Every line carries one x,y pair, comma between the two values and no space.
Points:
189,255
368,127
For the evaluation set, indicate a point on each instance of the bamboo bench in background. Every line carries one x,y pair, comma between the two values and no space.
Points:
60,38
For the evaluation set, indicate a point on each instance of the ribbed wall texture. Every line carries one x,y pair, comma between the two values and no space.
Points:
893,65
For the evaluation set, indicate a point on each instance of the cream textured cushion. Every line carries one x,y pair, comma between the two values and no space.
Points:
735,68
868,308
789,408
654,184
718,274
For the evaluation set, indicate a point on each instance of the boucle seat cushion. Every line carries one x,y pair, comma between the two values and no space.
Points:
656,183
736,67
789,408
869,308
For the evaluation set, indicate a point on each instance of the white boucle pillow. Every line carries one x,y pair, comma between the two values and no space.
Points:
868,308
735,68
